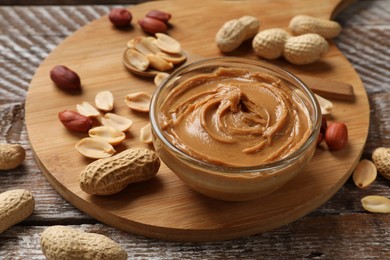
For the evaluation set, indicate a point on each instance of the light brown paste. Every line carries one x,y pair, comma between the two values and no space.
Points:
235,117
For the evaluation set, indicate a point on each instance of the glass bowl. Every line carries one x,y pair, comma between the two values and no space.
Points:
230,181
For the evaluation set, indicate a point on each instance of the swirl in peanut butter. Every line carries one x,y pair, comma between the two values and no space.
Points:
235,117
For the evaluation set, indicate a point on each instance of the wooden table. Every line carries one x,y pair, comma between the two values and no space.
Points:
339,229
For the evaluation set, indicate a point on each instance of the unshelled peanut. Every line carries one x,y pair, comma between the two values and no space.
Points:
15,206
302,24
305,49
62,242
234,32
111,175
11,156
269,44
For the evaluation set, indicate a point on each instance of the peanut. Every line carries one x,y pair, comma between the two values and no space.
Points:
65,78
336,136
159,78
305,49
146,134
11,156
120,17
15,206
118,122
364,174
111,175
104,100
107,134
234,32
61,242
160,53
159,15
381,159
137,59
167,43
139,101
94,148
152,25
376,204
302,24
87,110
75,121
269,44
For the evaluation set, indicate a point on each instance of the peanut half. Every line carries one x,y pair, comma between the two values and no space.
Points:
376,204
11,156
139,101
104,100
107,134
167,43
137,59
159,78
94,148
15,206
118,122
111,175
61,242
364,174
146,134
87,109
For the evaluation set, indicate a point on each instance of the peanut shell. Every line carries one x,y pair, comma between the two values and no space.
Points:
381,159
118,122
11,156
62,242
111,175
15,206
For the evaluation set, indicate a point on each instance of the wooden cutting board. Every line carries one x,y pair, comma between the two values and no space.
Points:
164,207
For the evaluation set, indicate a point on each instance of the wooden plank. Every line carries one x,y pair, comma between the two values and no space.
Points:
309,237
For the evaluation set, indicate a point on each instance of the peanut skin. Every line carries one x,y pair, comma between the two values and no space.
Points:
75,121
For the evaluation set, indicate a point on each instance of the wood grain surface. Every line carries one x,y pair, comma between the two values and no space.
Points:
183,214
338,229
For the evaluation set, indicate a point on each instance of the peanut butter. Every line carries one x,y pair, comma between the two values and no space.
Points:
235,117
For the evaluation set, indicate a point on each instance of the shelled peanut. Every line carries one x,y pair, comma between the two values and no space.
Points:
365,173
155,21
161,52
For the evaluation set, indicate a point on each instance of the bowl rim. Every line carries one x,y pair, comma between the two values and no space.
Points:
265,167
